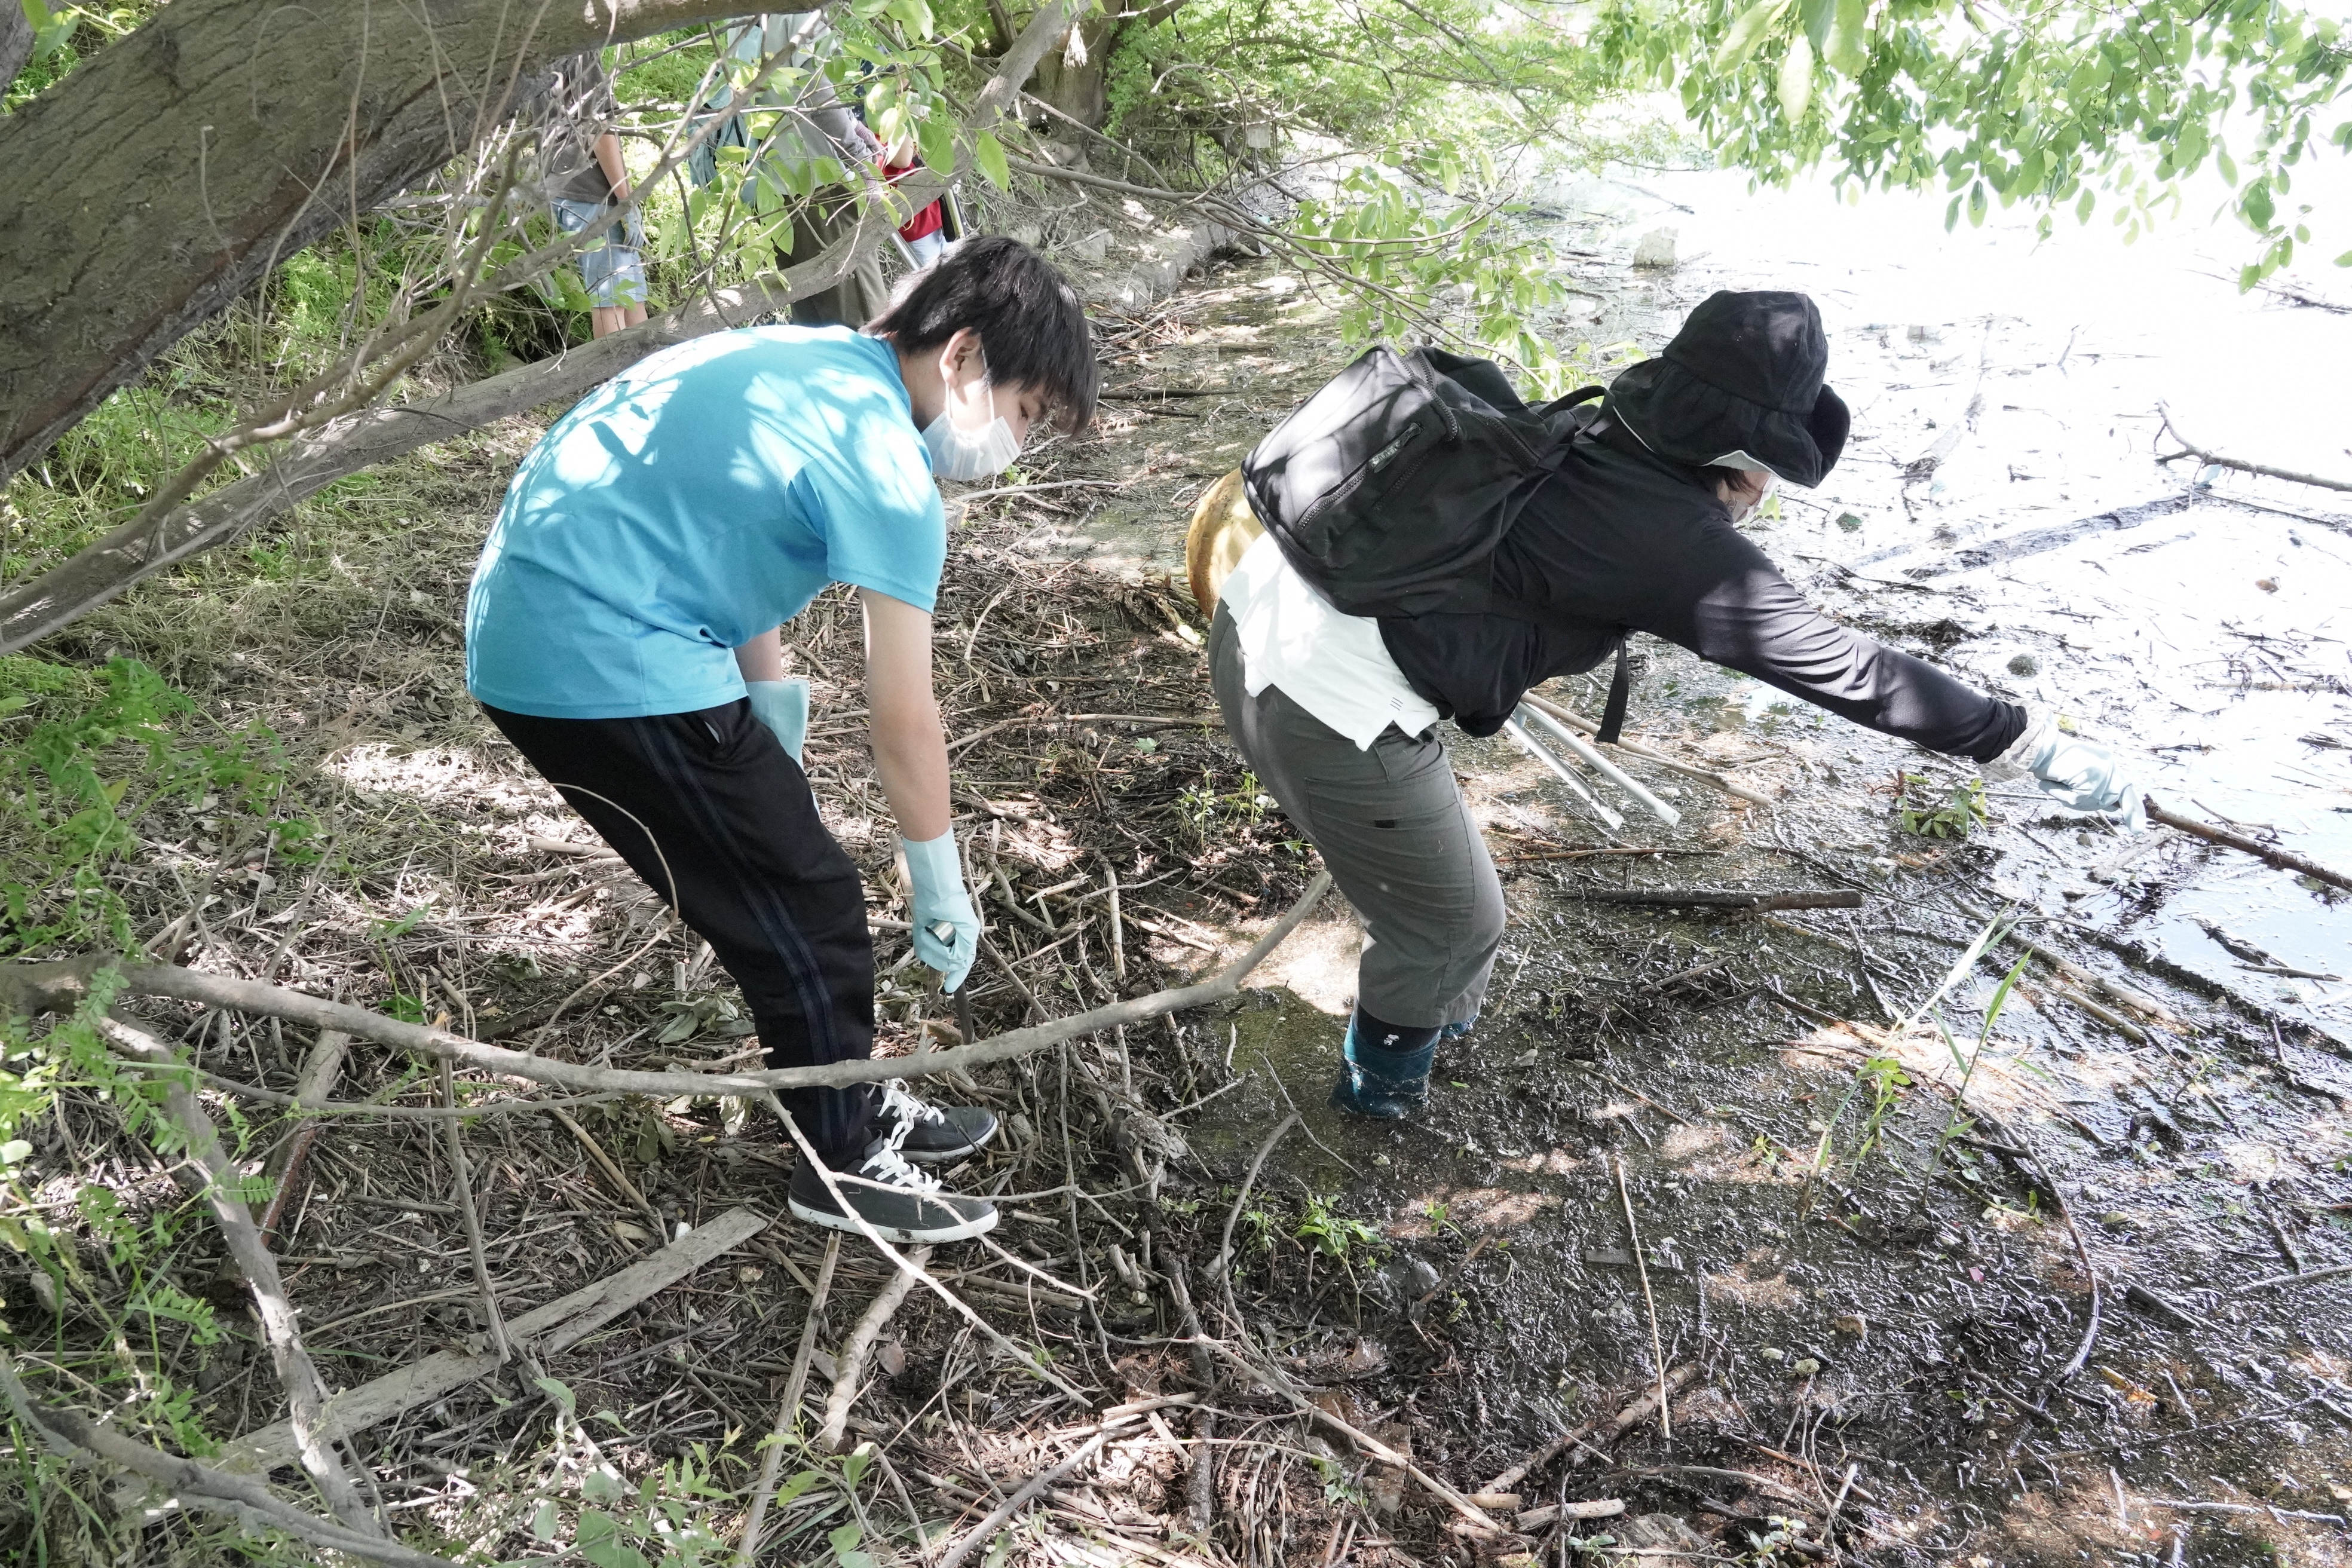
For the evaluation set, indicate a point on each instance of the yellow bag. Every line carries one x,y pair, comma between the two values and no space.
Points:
1224,528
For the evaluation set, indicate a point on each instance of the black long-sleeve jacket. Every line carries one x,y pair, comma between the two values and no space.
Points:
1621,540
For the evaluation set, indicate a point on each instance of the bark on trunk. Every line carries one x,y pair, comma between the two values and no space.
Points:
104,569
149,188
15,43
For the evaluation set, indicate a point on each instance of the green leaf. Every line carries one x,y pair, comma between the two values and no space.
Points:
914,16
542,1522
936,137
16,1149
2344,260
1819,17
1747,33
1795,84
557,1392
988,155
1847,50
2256,204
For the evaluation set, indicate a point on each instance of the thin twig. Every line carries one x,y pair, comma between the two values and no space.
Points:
788,1411
473,1223
1642,1272
1225,1259
245,1498
985,1531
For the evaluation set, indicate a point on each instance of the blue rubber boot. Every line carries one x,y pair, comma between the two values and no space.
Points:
1380,1082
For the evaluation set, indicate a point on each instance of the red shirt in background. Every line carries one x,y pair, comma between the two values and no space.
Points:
929,221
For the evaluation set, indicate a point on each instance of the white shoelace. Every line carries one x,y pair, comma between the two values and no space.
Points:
899,1103
886,1168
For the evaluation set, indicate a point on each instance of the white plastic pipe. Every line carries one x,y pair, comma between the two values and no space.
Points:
1599,763
1567,774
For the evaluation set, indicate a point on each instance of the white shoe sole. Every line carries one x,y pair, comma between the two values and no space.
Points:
903,1235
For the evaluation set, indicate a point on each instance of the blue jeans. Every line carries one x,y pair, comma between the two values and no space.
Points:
612,266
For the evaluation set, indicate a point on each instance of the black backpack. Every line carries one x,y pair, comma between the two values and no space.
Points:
1390,489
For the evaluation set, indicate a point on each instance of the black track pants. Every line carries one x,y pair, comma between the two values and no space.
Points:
710,810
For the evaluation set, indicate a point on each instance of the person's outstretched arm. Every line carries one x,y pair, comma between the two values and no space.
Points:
1725,602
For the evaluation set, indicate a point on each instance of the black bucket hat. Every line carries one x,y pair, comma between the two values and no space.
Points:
1740,386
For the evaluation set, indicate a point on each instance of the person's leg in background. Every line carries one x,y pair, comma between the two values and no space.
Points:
612,266
1392,827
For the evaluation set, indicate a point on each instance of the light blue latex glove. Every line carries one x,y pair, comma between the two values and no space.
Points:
947,927
781,706
2079,774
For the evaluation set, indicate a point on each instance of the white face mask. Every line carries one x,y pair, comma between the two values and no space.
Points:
961,454
1771,487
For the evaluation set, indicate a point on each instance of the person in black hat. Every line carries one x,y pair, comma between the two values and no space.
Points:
1637,531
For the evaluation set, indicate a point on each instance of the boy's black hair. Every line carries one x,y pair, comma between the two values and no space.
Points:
1031,325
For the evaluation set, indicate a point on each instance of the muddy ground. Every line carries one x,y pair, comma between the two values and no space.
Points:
2088,1312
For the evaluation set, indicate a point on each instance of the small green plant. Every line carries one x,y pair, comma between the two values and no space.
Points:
1334,1235
1956,816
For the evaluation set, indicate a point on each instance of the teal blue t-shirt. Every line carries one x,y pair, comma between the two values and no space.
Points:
700,497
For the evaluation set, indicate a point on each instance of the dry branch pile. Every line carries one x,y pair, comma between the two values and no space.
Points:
1116,848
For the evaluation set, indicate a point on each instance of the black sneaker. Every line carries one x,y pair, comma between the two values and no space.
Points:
902,1203
933,1135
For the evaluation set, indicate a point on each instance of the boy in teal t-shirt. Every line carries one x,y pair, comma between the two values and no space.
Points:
624,631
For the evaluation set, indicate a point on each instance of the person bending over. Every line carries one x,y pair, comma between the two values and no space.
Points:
1637,531
624,632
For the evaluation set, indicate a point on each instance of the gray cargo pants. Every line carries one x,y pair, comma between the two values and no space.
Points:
1393,827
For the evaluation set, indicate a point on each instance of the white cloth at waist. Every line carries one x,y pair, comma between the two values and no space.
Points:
1334,666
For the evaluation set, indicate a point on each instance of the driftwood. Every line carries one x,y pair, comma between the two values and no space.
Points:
849,1366
33,988
1576,721
2189,449
557,1326
2284,859
243,1498
305,1390
1593,1433
1721,898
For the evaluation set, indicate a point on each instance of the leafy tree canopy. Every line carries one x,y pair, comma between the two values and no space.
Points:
2049,102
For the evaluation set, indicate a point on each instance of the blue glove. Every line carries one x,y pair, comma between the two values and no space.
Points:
947,927
2079,774
781,706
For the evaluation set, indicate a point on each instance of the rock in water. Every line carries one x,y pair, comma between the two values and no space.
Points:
1656,249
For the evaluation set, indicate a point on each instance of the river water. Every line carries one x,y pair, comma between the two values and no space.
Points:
2203,619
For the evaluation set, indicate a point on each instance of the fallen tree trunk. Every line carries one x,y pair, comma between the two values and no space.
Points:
35,988
107,567
160,181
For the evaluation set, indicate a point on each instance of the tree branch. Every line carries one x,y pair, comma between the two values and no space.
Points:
304,1391
32,988
245,1498
108,566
